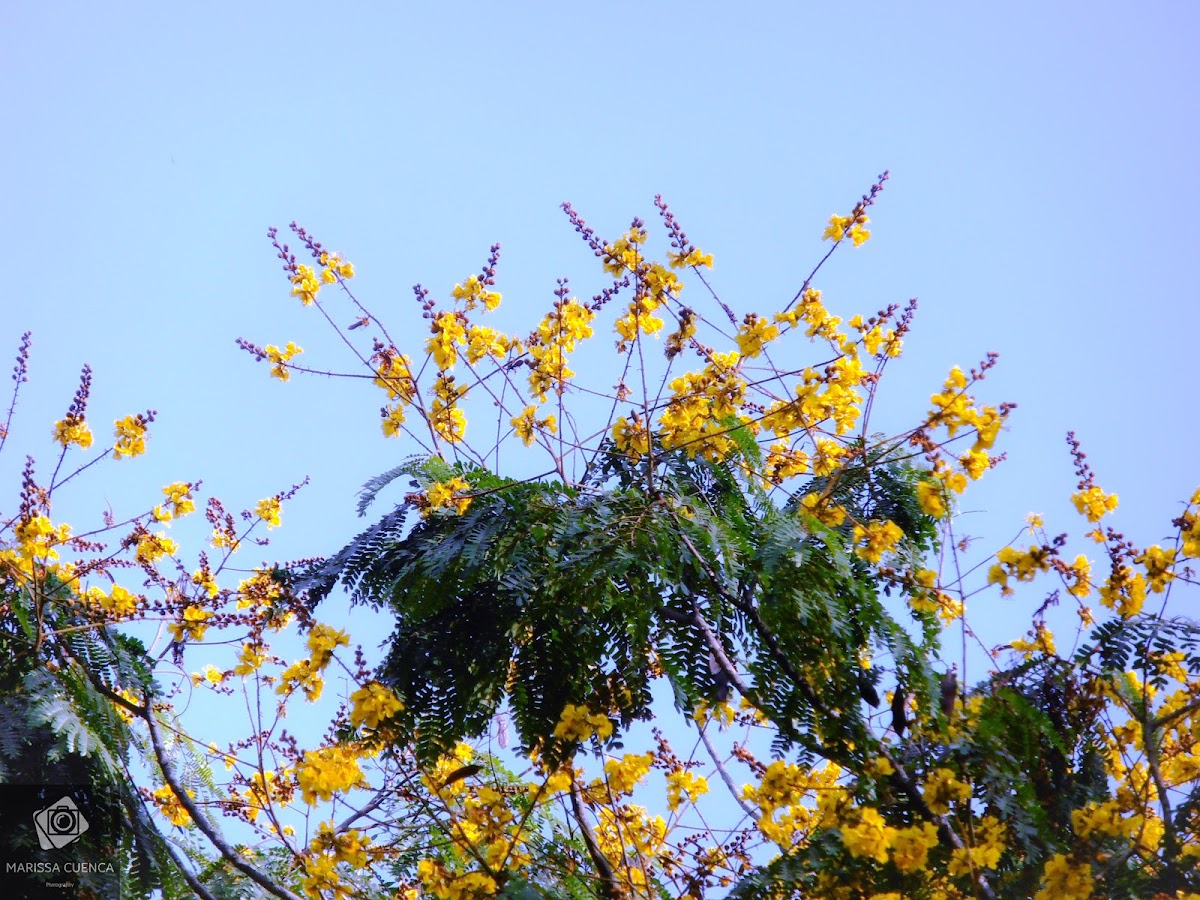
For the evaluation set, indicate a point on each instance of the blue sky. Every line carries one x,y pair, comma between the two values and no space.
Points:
1042,177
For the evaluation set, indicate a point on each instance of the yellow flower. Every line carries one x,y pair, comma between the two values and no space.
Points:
1094,503
483,341
192,624
250,659
754,334
631,437
305,284
1080,571
877,538
373,703
1159,564
578,723
911,846
447,494
169,805
131,437
152,547
269,511
322,641
448,421
327,771
73,430
179,498
622,775
1043,642
448,335
942,788
693,258
869,837
474,291
836,229
279,358
1065,880
393,420
684,783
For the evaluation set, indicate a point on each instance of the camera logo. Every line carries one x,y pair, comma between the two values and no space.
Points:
59,824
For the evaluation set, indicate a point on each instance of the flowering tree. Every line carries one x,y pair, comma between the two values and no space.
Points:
715,529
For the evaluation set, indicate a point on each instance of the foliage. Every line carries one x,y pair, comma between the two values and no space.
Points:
732,538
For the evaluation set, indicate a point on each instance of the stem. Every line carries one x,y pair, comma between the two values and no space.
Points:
234,858
608,881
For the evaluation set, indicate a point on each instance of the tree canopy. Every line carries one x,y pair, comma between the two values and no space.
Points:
719,547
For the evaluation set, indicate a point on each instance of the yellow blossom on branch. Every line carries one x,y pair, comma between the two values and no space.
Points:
870,836
578,723
279,358
152,547
131,436
192,624
1094,503
328,771
305,284
371,704
269,510
876,539
168,804
73,430
942,788
684,783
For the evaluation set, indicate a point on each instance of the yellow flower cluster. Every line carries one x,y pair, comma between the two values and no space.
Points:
439,881
989,835
192,624
73,430
279,359
306,283
1020,564
371,704
1159,564
1093,503
623,775
445,494
449,333
694,257
558,334
942,788
179,502
1063,879
269,510
1189,525
754,334
326,850
1043,642
876,539
131,437
785,796
118,603
684,783
473,292
694,417
578,723
954,408
37,537
168,804
306,673
525,424
845,226
328,771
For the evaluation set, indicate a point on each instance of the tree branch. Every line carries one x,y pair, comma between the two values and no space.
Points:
234,858
608,880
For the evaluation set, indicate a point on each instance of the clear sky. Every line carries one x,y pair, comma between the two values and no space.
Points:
1042,159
